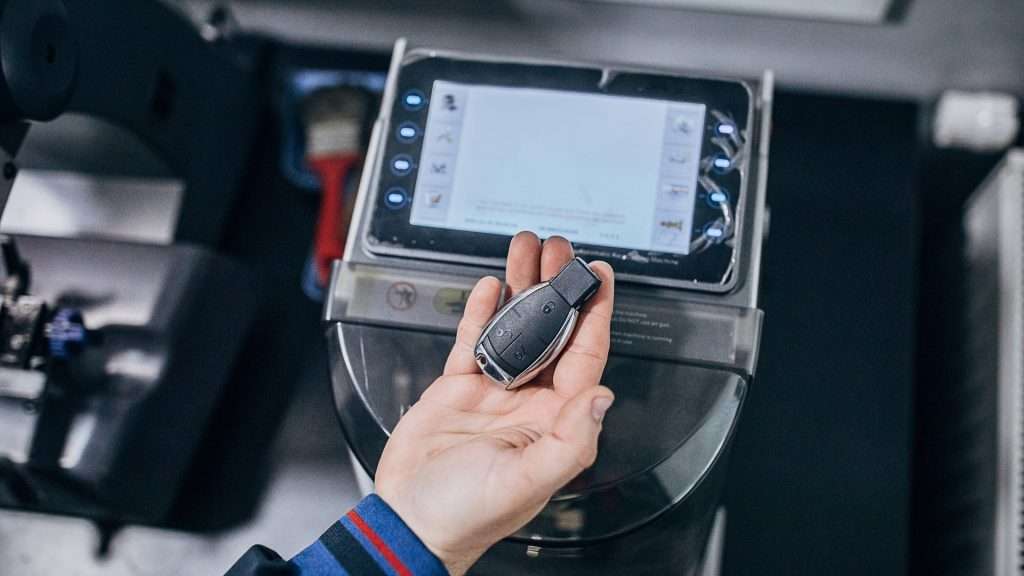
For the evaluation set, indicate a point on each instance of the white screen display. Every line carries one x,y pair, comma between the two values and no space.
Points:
605,170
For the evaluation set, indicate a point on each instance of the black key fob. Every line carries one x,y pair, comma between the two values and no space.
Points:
531,329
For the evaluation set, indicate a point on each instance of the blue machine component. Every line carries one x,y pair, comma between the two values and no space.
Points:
408,132
413,100
66,334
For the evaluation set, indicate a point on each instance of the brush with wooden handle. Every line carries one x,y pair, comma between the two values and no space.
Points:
334,119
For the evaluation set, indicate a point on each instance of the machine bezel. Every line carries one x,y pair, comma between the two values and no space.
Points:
389,233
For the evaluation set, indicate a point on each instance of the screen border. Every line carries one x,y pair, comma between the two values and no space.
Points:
389,232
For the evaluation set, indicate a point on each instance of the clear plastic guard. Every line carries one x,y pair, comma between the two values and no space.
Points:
662,324
670,424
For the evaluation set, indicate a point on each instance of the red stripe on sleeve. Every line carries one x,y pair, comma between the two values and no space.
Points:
379,544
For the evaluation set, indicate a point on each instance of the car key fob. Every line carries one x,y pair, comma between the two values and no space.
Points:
531,329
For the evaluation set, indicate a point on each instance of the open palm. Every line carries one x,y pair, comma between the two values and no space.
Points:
471,462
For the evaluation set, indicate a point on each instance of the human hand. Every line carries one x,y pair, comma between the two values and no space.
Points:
470,463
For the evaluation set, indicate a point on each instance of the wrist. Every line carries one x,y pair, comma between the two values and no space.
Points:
387,538
457,561
458,565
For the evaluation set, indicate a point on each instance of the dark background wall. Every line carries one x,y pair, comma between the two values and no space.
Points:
820,475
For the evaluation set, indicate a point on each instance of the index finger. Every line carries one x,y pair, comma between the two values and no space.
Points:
583,361
522,268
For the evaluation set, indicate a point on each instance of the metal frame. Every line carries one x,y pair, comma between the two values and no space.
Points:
994,230
748,224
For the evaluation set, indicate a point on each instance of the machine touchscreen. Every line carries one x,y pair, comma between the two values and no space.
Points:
596,169
643,170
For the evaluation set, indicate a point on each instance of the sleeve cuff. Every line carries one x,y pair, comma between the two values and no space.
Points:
370,540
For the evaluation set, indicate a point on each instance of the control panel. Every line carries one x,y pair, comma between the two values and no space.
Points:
645,170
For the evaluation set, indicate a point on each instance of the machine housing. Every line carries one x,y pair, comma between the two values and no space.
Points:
683,353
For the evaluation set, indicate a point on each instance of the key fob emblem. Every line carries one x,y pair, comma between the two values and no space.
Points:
530,330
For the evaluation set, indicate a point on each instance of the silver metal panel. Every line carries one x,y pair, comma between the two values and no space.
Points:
863,11
397,297
72,205
665,325
994,229
936,44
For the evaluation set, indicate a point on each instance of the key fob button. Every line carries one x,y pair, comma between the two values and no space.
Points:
503,333
521,353
547,311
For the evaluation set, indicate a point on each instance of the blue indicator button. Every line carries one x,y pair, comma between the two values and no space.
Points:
408,132
718,197
413,100
721,163
396,198
726,128
401,165
714,231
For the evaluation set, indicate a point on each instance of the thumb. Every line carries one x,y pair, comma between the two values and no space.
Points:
571,446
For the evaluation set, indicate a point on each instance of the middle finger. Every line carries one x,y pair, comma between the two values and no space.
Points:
557,251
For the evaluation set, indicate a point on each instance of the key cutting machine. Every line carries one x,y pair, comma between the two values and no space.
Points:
660,174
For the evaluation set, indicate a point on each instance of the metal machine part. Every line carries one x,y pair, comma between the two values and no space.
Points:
108,428
11,136
38,346
682,358
195,106
985,489
530,330
39,54
109,432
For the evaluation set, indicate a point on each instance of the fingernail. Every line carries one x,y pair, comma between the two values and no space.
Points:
599,406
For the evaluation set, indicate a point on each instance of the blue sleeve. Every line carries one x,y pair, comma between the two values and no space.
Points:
371,540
